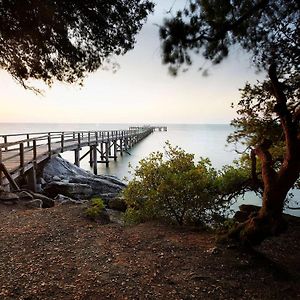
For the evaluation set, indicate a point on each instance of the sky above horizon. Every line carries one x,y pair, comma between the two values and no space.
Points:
141,91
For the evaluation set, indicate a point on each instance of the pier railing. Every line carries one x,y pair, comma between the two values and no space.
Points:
20,152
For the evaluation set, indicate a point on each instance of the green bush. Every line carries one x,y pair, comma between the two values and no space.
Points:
95,210
175,189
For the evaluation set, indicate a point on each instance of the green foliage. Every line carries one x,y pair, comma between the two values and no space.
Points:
175,189
64,40
269,30
266,29
96,208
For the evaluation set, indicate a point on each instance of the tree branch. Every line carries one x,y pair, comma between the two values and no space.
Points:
269,175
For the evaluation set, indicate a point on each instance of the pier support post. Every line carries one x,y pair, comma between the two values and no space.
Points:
115,150
109,148
121,147
107,153
95,159
101,150
77,157
91,156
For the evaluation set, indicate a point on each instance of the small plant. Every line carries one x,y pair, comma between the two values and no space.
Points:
96,208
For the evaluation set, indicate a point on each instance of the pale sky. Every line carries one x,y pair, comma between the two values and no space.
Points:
141,91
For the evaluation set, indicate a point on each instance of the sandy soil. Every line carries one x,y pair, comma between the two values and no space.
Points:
58,254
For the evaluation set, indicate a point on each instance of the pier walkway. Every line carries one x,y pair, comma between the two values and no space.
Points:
20,154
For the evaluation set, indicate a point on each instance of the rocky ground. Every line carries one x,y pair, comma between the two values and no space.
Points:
56,253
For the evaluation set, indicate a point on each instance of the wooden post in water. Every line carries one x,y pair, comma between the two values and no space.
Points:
109,148
107,154
95,159
101,150
115,150
96,137
125,144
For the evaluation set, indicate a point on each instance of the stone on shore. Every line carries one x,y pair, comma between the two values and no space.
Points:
62,177
8,196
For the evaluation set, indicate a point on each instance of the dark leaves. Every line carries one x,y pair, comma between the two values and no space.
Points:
63,40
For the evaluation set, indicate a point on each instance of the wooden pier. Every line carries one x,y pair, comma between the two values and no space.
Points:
154,128
20,154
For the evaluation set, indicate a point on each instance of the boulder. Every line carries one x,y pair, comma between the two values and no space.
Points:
36,203
57,167
77,183
61,199
115,216
72,190
8,196
46,201
24,195
99,185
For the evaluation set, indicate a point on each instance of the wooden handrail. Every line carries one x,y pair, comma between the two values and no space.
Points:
29,151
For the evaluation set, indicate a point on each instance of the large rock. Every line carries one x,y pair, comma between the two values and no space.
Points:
25,196
66,179
246,210
8,196
72,190
46,201
61,199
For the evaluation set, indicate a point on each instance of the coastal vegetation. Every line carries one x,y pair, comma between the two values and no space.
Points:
171,187
59,253
268,112
96,208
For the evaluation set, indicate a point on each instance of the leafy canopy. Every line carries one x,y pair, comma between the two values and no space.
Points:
269,30
64,40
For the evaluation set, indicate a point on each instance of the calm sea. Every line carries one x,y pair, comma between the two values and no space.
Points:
203,140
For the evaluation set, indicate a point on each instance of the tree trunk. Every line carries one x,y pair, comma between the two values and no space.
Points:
269,220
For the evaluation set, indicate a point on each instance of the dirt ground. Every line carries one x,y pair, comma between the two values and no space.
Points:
58,254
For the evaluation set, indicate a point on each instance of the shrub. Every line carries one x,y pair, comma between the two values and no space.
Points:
95,210
173,189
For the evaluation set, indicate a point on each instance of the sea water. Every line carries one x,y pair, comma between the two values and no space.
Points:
203,140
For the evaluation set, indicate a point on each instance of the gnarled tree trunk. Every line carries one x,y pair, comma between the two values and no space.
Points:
269,220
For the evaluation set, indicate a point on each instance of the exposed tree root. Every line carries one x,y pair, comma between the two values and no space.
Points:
257,228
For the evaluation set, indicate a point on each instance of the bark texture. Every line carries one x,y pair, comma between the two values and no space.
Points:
268,221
